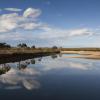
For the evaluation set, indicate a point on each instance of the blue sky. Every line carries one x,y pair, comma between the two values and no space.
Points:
67,23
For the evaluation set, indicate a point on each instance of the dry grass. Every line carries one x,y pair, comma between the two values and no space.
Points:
26,50
83,54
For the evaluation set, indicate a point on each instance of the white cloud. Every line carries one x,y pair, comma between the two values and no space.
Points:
13,21
8,22
82,31
10,16
13,9
51,33
14,26
30,26
31,12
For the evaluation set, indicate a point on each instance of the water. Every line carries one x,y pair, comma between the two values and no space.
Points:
51,78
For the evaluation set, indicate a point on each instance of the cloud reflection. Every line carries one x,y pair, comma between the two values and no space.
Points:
26,77
16,79
62,63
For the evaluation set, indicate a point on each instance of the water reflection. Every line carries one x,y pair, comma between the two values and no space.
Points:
70,65
24,74
54,56
24,78
39,59
33,61
19,77
4,68
21,66
50,64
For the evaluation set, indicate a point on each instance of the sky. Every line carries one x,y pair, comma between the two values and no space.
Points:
45,23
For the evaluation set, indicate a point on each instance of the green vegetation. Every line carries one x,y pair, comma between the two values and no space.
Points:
33,47
23,48
4,45
23,45
4,69
23,51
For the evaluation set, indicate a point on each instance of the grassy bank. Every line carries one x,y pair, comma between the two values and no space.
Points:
18,54
80,49
27,50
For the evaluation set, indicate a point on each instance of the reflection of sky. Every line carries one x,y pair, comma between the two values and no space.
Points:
15,79
27,78
69,65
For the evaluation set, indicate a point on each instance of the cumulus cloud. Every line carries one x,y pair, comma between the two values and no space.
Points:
7,23
13,21
59,33
13,26
31,12
82,31
13,9
27,21
30,26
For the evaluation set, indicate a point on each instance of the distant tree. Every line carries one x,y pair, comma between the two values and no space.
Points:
54,47
23,45
8,46
4,45
33,47
19,45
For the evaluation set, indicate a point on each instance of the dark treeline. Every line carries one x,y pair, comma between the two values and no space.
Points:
22,45
22,51
4,45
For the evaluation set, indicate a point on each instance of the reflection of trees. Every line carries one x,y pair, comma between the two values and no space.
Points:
27,62
33,61
60,55
24,64
21,66
4,68
54,56
40,59
24,76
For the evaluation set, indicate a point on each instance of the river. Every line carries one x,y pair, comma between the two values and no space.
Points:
51,78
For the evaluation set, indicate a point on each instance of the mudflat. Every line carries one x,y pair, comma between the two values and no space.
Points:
83,54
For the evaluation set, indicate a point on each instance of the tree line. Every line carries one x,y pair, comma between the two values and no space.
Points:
21,45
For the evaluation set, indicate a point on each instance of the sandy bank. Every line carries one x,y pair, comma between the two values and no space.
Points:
83,54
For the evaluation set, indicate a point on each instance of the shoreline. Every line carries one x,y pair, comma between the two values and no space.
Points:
7,55
10,55
83,54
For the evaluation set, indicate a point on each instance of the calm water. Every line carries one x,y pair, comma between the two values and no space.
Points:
51,78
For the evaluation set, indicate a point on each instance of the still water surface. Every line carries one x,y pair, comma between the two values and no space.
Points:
51,78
